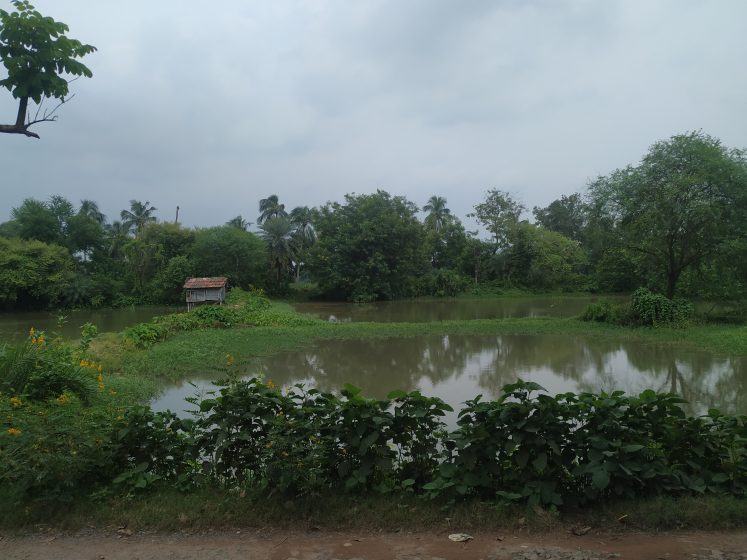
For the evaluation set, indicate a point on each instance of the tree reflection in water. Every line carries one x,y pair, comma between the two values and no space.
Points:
459,367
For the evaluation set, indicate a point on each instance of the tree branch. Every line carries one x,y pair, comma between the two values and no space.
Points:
21,127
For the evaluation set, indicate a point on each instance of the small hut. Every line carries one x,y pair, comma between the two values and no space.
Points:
205,290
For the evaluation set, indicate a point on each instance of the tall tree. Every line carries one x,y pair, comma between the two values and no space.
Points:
239,222
499,214
567,215
228,251
437,211
277,233
371,247
90,209
138,216
37,56
680,206
304,234
270,207
34,219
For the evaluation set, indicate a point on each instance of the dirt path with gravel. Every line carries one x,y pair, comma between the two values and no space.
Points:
279,545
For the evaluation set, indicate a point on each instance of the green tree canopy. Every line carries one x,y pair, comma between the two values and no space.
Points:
679,207
369,248
228,251
437,213
37,56
32,273
138,216
277,233
270,207
567,216
499,213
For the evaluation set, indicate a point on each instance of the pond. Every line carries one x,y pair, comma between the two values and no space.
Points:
425,311
457,368
15,326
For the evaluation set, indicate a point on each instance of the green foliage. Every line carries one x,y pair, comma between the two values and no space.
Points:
32,271
303,441
369,248
678,207
251,309
39,369
654,310
443,283
575,449
499,213
607,312
36,54
645,309
566,216
540,259
228,251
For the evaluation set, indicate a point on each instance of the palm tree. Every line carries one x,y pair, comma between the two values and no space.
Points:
438,214
239,222
270,207
301,217
278,235
304,235
117,235
90,209
138,216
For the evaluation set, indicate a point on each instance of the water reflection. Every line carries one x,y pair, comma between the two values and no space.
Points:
458,367
425,311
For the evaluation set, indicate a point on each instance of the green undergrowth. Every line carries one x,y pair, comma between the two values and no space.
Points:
220,509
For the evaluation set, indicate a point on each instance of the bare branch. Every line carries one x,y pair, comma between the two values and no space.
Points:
49,116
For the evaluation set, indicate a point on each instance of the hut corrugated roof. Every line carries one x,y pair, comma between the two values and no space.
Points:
199,283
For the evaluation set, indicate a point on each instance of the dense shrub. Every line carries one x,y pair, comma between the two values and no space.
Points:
526,447
607,312
645,309
653,310
443,283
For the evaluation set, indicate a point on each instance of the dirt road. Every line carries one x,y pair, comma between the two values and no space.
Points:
257,545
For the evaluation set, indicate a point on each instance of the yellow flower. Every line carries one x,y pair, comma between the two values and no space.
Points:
15,401
112,392
32,330
81,363
270,384
230,359
100,369
14,431
63,398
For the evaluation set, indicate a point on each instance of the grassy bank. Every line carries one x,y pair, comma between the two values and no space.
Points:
205,351
218,508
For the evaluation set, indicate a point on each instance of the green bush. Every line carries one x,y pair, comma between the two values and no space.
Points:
40,369
607,312
653,310
443,283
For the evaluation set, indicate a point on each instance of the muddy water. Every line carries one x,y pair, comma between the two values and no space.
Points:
457,368
425,311
15,326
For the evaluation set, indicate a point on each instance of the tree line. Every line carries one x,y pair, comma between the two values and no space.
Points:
675,223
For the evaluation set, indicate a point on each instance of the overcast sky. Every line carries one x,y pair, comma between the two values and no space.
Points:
214,105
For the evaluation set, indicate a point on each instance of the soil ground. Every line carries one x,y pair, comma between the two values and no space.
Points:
282,545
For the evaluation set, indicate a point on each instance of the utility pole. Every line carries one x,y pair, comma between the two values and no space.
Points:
177,215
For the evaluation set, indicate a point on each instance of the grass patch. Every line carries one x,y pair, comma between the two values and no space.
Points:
218,508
